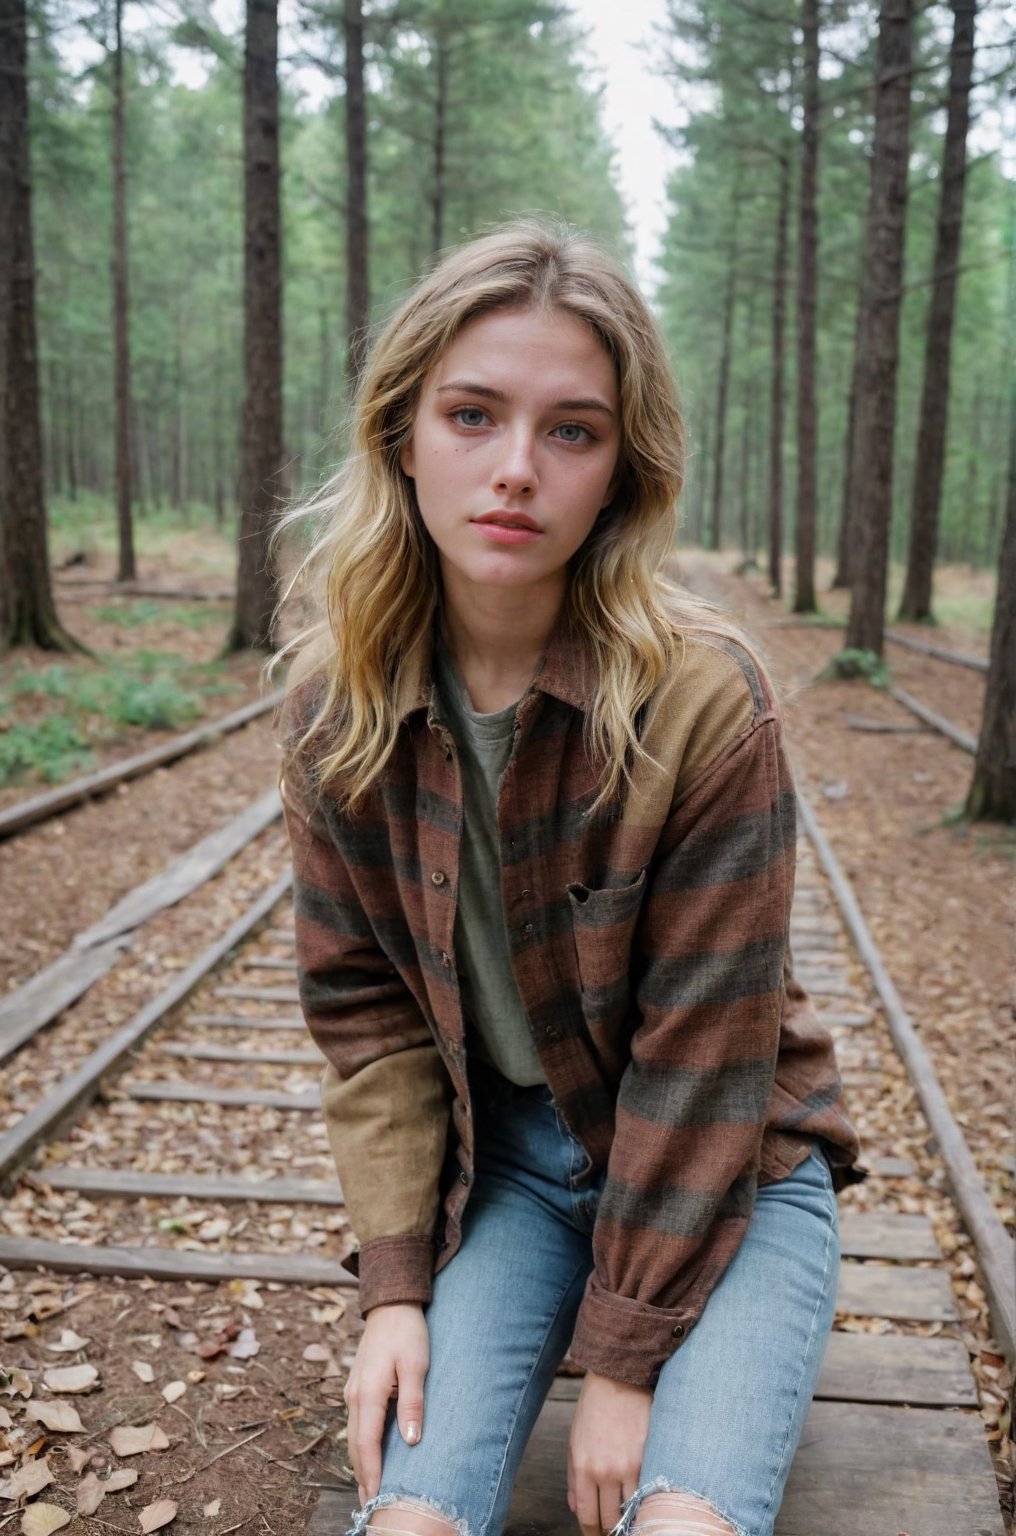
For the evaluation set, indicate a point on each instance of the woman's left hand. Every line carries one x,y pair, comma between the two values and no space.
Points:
608,1437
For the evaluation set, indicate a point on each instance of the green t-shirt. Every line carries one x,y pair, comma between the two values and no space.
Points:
496,1021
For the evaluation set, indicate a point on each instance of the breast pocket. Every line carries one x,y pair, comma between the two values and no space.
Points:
603,925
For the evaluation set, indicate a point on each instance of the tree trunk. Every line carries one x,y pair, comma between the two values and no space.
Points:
778,390
357,229
992,795
882,298
719,448
261,453
127,569
747,420
845,543
807,282
27,611
440,146
932,433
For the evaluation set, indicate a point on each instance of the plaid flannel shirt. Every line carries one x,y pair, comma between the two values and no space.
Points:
649,943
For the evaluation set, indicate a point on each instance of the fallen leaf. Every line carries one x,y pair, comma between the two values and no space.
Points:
15,1382
132,1439
90,1494
156,1515
316,1352
69,1341
40,1519
28,1479
123,1477
56,1415
246,1346
173,1390
5,1419
77,1457
71,1378
195,1376
6,1458
328,1314
142,1370
212,1508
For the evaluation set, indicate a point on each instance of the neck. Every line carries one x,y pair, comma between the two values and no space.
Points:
496,635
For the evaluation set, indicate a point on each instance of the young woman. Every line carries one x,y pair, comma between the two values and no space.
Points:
543,846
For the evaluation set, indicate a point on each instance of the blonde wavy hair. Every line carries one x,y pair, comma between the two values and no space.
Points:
372,573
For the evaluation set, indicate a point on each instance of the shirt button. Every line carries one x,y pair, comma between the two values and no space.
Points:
463,1177
446,959
552,1032
678,1330
527,893
527,929
438,877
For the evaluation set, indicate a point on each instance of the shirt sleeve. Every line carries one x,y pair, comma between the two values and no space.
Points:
709,956
385,1094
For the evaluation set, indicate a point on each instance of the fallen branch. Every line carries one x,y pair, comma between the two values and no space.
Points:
226,1451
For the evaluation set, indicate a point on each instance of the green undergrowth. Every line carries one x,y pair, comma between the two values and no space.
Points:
852,663
148,610
50,720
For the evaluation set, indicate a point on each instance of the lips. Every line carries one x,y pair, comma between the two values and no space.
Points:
508,520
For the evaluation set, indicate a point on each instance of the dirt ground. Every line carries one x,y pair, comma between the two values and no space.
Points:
243,1381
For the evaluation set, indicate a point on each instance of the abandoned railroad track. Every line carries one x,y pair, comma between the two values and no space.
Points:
188,1146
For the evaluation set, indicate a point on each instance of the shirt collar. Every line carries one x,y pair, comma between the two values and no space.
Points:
566,672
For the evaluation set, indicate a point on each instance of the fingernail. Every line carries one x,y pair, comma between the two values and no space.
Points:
412,1433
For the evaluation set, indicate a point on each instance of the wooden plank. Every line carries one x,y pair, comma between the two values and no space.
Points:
260,994
891,1168
865,1470
860,1470
28,1008
81,1085
875,1368
823,984
886,1235
123,1182
896,1368
266,963
172,1263
39,807
241,1098
189,872
995,1248
237,1021
890,1290
958,658
254,1058
937,722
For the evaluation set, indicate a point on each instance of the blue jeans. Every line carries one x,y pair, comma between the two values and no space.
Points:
729,1405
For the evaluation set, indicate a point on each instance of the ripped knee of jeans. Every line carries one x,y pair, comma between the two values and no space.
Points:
660,1509
407,1514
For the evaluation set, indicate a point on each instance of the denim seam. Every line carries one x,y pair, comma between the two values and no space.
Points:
511,1428
629,1513
831,1222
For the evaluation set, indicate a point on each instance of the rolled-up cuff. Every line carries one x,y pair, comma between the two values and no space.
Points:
627,1340
393,1269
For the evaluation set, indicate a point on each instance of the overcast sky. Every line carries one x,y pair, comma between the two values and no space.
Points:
633,97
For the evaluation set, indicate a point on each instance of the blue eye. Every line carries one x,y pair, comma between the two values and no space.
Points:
572,432
470,416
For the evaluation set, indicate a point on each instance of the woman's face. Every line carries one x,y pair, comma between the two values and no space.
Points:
514,448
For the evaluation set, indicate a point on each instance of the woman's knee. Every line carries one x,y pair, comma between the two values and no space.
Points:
679,1514
406,1517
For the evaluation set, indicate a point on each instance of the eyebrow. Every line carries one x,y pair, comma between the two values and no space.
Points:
468,387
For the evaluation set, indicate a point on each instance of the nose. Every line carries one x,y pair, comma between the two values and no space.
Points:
515,471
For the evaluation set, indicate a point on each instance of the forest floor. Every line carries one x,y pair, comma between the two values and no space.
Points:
244,1381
